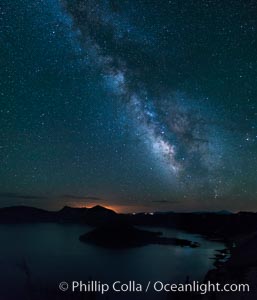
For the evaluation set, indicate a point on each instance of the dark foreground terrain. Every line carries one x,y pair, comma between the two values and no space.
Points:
238,231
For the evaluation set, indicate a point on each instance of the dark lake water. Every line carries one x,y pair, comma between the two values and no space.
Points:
53,253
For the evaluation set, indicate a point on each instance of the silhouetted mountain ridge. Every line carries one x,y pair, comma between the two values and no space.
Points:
26,214
220,225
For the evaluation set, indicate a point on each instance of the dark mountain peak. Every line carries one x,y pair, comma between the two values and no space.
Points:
99,208
65,208
70,208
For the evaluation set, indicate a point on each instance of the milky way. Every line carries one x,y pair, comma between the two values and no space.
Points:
174,128
148,104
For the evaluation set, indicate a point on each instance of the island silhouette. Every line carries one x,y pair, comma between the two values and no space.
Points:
120,234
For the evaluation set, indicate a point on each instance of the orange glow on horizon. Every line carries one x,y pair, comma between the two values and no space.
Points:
115,207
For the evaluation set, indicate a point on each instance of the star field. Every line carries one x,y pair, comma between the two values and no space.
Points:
139,105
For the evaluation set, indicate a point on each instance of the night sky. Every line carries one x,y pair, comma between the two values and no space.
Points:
138,105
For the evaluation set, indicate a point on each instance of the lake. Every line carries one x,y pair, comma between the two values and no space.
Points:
53,253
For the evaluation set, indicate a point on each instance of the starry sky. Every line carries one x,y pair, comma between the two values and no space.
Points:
138,105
